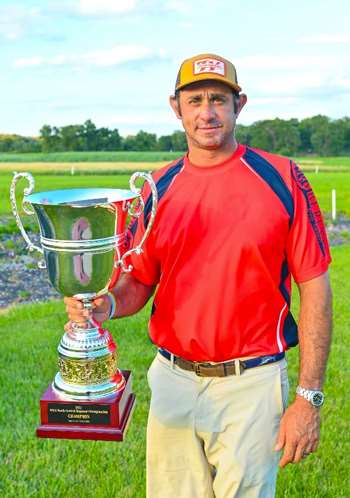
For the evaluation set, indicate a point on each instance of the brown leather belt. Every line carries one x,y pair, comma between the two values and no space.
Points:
210,370
234,367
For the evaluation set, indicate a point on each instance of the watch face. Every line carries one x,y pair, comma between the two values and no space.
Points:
317,398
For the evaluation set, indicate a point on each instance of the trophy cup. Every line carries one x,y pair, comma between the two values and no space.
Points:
83,243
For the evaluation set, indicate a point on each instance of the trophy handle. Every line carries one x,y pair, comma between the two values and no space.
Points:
27,191
137,212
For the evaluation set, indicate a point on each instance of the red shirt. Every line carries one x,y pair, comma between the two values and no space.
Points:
224,244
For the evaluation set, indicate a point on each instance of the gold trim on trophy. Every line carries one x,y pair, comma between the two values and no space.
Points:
86,372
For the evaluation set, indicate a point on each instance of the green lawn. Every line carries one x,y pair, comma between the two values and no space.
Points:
342,162
49,182
42,468
322,183
99,156
337,162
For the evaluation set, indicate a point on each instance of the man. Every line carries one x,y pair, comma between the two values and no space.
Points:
232,225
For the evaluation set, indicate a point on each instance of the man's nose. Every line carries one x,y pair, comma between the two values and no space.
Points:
207,111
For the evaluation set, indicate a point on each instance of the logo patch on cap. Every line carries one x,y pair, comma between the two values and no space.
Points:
209,66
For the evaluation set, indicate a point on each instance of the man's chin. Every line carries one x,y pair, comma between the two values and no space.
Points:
210,145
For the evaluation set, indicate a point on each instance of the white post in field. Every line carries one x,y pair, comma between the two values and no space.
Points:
334,204
317,169
72,170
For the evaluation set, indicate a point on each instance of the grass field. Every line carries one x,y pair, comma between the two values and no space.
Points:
49,182
95,157
309,162
39,468
324,163
323,183
112,162
87,168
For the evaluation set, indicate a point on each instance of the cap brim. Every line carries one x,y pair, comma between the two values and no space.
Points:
234,86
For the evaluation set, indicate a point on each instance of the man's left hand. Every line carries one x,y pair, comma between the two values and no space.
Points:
299,432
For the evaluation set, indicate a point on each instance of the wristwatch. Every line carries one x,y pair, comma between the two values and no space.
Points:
316,398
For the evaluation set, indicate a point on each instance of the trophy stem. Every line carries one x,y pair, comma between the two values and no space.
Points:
87,359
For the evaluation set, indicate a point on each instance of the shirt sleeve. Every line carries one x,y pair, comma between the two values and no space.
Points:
307,246
146,266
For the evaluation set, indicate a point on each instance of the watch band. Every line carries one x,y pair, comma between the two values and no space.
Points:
314,396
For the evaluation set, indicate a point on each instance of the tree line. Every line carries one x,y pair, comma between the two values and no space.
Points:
318,135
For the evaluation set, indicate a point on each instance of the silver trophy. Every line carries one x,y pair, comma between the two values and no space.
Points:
84,249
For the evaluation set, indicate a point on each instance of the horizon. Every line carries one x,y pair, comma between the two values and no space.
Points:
69,61
4,133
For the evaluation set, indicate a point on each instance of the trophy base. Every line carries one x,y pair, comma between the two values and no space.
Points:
104,420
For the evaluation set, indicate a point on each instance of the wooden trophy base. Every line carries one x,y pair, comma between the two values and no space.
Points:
106,419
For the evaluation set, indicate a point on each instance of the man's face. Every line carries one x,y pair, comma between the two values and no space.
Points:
207,113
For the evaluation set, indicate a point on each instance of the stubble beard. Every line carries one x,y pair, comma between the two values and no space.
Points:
211,143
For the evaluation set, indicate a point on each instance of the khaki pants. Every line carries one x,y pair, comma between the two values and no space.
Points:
211,437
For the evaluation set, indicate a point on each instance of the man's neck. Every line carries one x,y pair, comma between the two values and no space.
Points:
210,157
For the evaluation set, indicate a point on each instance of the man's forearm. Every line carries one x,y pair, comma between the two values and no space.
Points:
315,327
131,295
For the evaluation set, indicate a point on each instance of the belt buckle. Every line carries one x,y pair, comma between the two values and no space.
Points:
197,369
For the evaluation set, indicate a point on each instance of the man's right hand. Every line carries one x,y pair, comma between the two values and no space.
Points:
78,314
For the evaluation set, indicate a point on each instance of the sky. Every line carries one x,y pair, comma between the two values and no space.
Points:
115,61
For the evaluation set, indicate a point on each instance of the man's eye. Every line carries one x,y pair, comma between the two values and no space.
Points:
219,100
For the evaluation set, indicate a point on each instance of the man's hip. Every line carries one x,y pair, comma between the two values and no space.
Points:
213,434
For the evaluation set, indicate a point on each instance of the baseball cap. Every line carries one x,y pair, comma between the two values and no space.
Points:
207,67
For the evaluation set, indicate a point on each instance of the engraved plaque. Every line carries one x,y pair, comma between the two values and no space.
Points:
72,413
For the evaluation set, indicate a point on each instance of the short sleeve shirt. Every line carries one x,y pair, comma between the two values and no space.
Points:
225,242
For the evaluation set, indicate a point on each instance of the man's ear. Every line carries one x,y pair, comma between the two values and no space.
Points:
174,103
241,103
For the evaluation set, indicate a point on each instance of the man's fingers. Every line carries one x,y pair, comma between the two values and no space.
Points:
76,311
312,443
281,438
299,432
71,302
309,448
78,314
68,326
288,454
297,449
300,452
98,301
